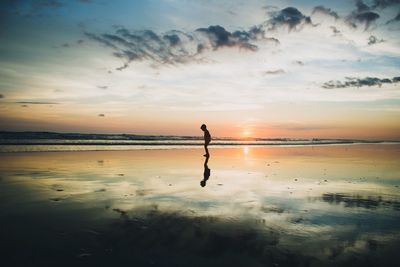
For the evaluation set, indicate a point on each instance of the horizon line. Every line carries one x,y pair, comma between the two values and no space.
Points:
200,136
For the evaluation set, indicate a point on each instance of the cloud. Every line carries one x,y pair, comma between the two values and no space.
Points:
36,103
349,201
325,11
100,40
384,3
176,47
298,62
101,115
360,82
122,67
397,18
71,44
273,40
104,87
290,17
366,18
219,37
375,4
274,72
363,15
335,31
374,40
361,6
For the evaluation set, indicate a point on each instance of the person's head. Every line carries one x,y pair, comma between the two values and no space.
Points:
203,127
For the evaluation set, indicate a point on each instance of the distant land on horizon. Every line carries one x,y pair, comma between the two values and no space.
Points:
19,135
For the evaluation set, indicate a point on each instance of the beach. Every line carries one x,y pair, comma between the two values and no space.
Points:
199,133
328,205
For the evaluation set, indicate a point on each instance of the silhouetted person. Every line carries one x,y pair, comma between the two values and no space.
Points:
207,172
207,139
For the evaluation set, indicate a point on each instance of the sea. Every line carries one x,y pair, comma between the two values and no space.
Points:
50,141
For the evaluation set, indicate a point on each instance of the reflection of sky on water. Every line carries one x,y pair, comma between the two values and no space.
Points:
329,203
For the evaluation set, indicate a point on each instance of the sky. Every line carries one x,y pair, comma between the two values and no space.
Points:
246,68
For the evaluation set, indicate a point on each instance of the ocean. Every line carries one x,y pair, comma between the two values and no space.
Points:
47,141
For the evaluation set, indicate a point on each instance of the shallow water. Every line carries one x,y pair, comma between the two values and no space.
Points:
94,144
261,206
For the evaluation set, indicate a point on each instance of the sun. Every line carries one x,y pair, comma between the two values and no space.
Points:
246,134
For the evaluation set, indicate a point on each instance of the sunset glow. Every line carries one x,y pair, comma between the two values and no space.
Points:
272,69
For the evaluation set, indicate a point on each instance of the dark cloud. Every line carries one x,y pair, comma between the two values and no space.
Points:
122,67
374,40
375,4
290,17
361,6
69,45
362,15
366,18
357,201
36,103
273,40
104,87
100,40
274,72
384,3
101,115
173,39
219,37
298,62
255,33
175,47
360,82
335,31
325,11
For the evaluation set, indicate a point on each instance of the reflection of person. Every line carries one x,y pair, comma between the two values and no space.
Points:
206,174
207,139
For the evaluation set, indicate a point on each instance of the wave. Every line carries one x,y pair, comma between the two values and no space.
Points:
48,141
178,142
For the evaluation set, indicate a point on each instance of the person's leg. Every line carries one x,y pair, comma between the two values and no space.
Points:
206,149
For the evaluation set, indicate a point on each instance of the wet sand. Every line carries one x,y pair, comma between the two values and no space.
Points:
333,205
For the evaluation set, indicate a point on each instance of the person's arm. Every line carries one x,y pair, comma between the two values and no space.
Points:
207,137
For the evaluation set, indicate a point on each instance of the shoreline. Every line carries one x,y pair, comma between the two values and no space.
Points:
19,148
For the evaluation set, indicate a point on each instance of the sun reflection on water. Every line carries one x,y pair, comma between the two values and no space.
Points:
302,193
